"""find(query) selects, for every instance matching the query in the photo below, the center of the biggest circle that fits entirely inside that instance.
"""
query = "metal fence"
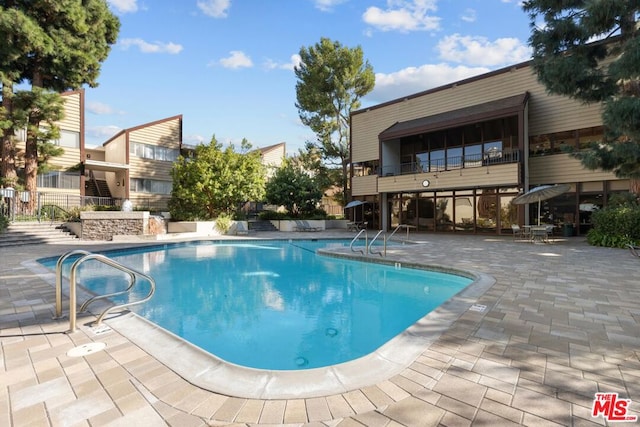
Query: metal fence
(42, 206)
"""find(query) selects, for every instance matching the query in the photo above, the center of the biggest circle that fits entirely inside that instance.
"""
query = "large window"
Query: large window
(473, 145)
(63, 180)
(68, 139)
(142, 185)
(153, 152)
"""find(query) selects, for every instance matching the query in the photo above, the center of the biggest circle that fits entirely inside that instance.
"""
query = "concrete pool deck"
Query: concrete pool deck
(559, 324)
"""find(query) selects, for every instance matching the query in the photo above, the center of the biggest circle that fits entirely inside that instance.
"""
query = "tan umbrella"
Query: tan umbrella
(538, 194)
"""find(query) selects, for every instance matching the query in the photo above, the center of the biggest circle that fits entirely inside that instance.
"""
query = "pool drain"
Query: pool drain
(86, 349)
(331, 332)
(301, 361)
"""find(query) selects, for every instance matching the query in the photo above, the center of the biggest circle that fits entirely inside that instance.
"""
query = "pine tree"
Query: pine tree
(590, 51)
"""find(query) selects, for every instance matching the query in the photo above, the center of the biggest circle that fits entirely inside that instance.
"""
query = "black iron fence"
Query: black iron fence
(44, 206)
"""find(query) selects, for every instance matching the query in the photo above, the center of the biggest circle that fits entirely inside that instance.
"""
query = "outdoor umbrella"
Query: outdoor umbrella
(354, 203)
(538, 194)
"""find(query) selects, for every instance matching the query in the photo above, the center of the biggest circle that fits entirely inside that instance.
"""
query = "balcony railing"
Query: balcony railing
(453, 163)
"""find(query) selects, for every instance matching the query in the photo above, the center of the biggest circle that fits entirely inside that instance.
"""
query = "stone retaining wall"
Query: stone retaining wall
(105, 225)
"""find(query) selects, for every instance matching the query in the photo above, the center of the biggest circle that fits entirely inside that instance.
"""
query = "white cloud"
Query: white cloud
(481, 51)
(417, 79)
(293, 62)
(146, 47)
(124, 6)
(403, 16)
(236, 59)
(193, 139)
(214, 8)
(327, 5)
(99, 108)
(469, 15)
(97, 135)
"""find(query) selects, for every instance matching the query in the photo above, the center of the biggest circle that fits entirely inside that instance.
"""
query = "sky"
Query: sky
(227, 65)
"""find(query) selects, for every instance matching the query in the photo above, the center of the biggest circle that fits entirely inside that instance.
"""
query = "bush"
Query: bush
(223, 223)
(615, 226)
(4, 222)
(315, 214)
(272, 215)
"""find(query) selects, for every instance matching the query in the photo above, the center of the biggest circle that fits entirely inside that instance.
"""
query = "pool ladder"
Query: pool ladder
(86, 256)
(369, 245)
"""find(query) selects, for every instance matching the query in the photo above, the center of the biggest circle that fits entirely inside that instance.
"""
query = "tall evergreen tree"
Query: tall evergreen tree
(589, 50)
(331, 81)
(55, 45)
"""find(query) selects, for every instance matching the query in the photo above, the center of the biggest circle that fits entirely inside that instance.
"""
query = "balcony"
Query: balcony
(491, 157)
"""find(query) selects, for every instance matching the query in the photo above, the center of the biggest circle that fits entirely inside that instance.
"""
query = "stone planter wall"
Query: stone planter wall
(105, 225)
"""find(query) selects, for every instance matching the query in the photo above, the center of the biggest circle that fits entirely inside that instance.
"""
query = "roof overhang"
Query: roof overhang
(489, 110)
(96, 165)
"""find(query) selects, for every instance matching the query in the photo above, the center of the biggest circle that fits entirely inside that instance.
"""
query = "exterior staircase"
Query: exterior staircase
(34, 233)
(260, 225)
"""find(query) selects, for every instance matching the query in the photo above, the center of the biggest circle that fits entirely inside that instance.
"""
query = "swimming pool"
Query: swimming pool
(276, 305)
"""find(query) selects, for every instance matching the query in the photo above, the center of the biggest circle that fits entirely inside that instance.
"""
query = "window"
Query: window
(63, 180)
(68, 139)
(141, 185)
(153, 152)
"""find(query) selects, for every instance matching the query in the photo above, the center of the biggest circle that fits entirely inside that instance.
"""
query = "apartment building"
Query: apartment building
(451, 159)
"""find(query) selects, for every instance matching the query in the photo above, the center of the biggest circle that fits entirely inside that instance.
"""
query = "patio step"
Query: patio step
(33, 233)
(260, 225)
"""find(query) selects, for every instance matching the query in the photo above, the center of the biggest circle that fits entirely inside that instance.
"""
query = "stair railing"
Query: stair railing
(86, 256)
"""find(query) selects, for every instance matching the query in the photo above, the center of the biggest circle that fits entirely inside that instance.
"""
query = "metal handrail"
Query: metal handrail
(62, 259)
(73, 284)
(369, 248)
(364, 230)
(395, 230)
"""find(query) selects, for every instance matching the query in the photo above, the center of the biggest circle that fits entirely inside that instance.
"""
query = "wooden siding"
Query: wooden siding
(274, 156)
(70, 157)
(546, 113)
(164, 134)
(364, 185)
(115, 151)
(72, 120)
(562, 168)
(497, 175)
(152, 169)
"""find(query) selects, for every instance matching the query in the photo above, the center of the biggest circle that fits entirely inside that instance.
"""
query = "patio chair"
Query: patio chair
(518, 233)
(635, 250)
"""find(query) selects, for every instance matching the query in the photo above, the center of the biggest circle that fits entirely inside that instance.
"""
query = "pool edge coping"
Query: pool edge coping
(209, 372)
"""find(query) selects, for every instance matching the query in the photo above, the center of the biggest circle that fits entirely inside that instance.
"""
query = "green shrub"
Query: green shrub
(315, 214)
(4, 222)
(615, 226)
(271, 215)
(223, 223)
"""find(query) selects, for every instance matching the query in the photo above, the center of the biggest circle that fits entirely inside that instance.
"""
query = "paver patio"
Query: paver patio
(560, 324)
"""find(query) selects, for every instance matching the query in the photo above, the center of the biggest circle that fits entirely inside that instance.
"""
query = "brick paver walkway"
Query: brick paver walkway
(561, 323)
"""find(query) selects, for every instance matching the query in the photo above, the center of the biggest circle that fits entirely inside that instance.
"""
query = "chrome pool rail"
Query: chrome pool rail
(355, 239)
(86, 256)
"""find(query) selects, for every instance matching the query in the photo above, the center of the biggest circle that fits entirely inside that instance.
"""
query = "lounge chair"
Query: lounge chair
(240, 228)
(305, 226)
(635, 250)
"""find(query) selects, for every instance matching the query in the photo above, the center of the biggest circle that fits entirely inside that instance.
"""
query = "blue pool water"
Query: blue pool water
(274, 304)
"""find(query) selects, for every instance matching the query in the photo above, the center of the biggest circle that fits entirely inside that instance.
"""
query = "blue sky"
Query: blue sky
(227, 65)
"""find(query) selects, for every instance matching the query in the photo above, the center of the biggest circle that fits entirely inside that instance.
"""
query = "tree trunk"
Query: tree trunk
(8, 171)
(634, 186)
